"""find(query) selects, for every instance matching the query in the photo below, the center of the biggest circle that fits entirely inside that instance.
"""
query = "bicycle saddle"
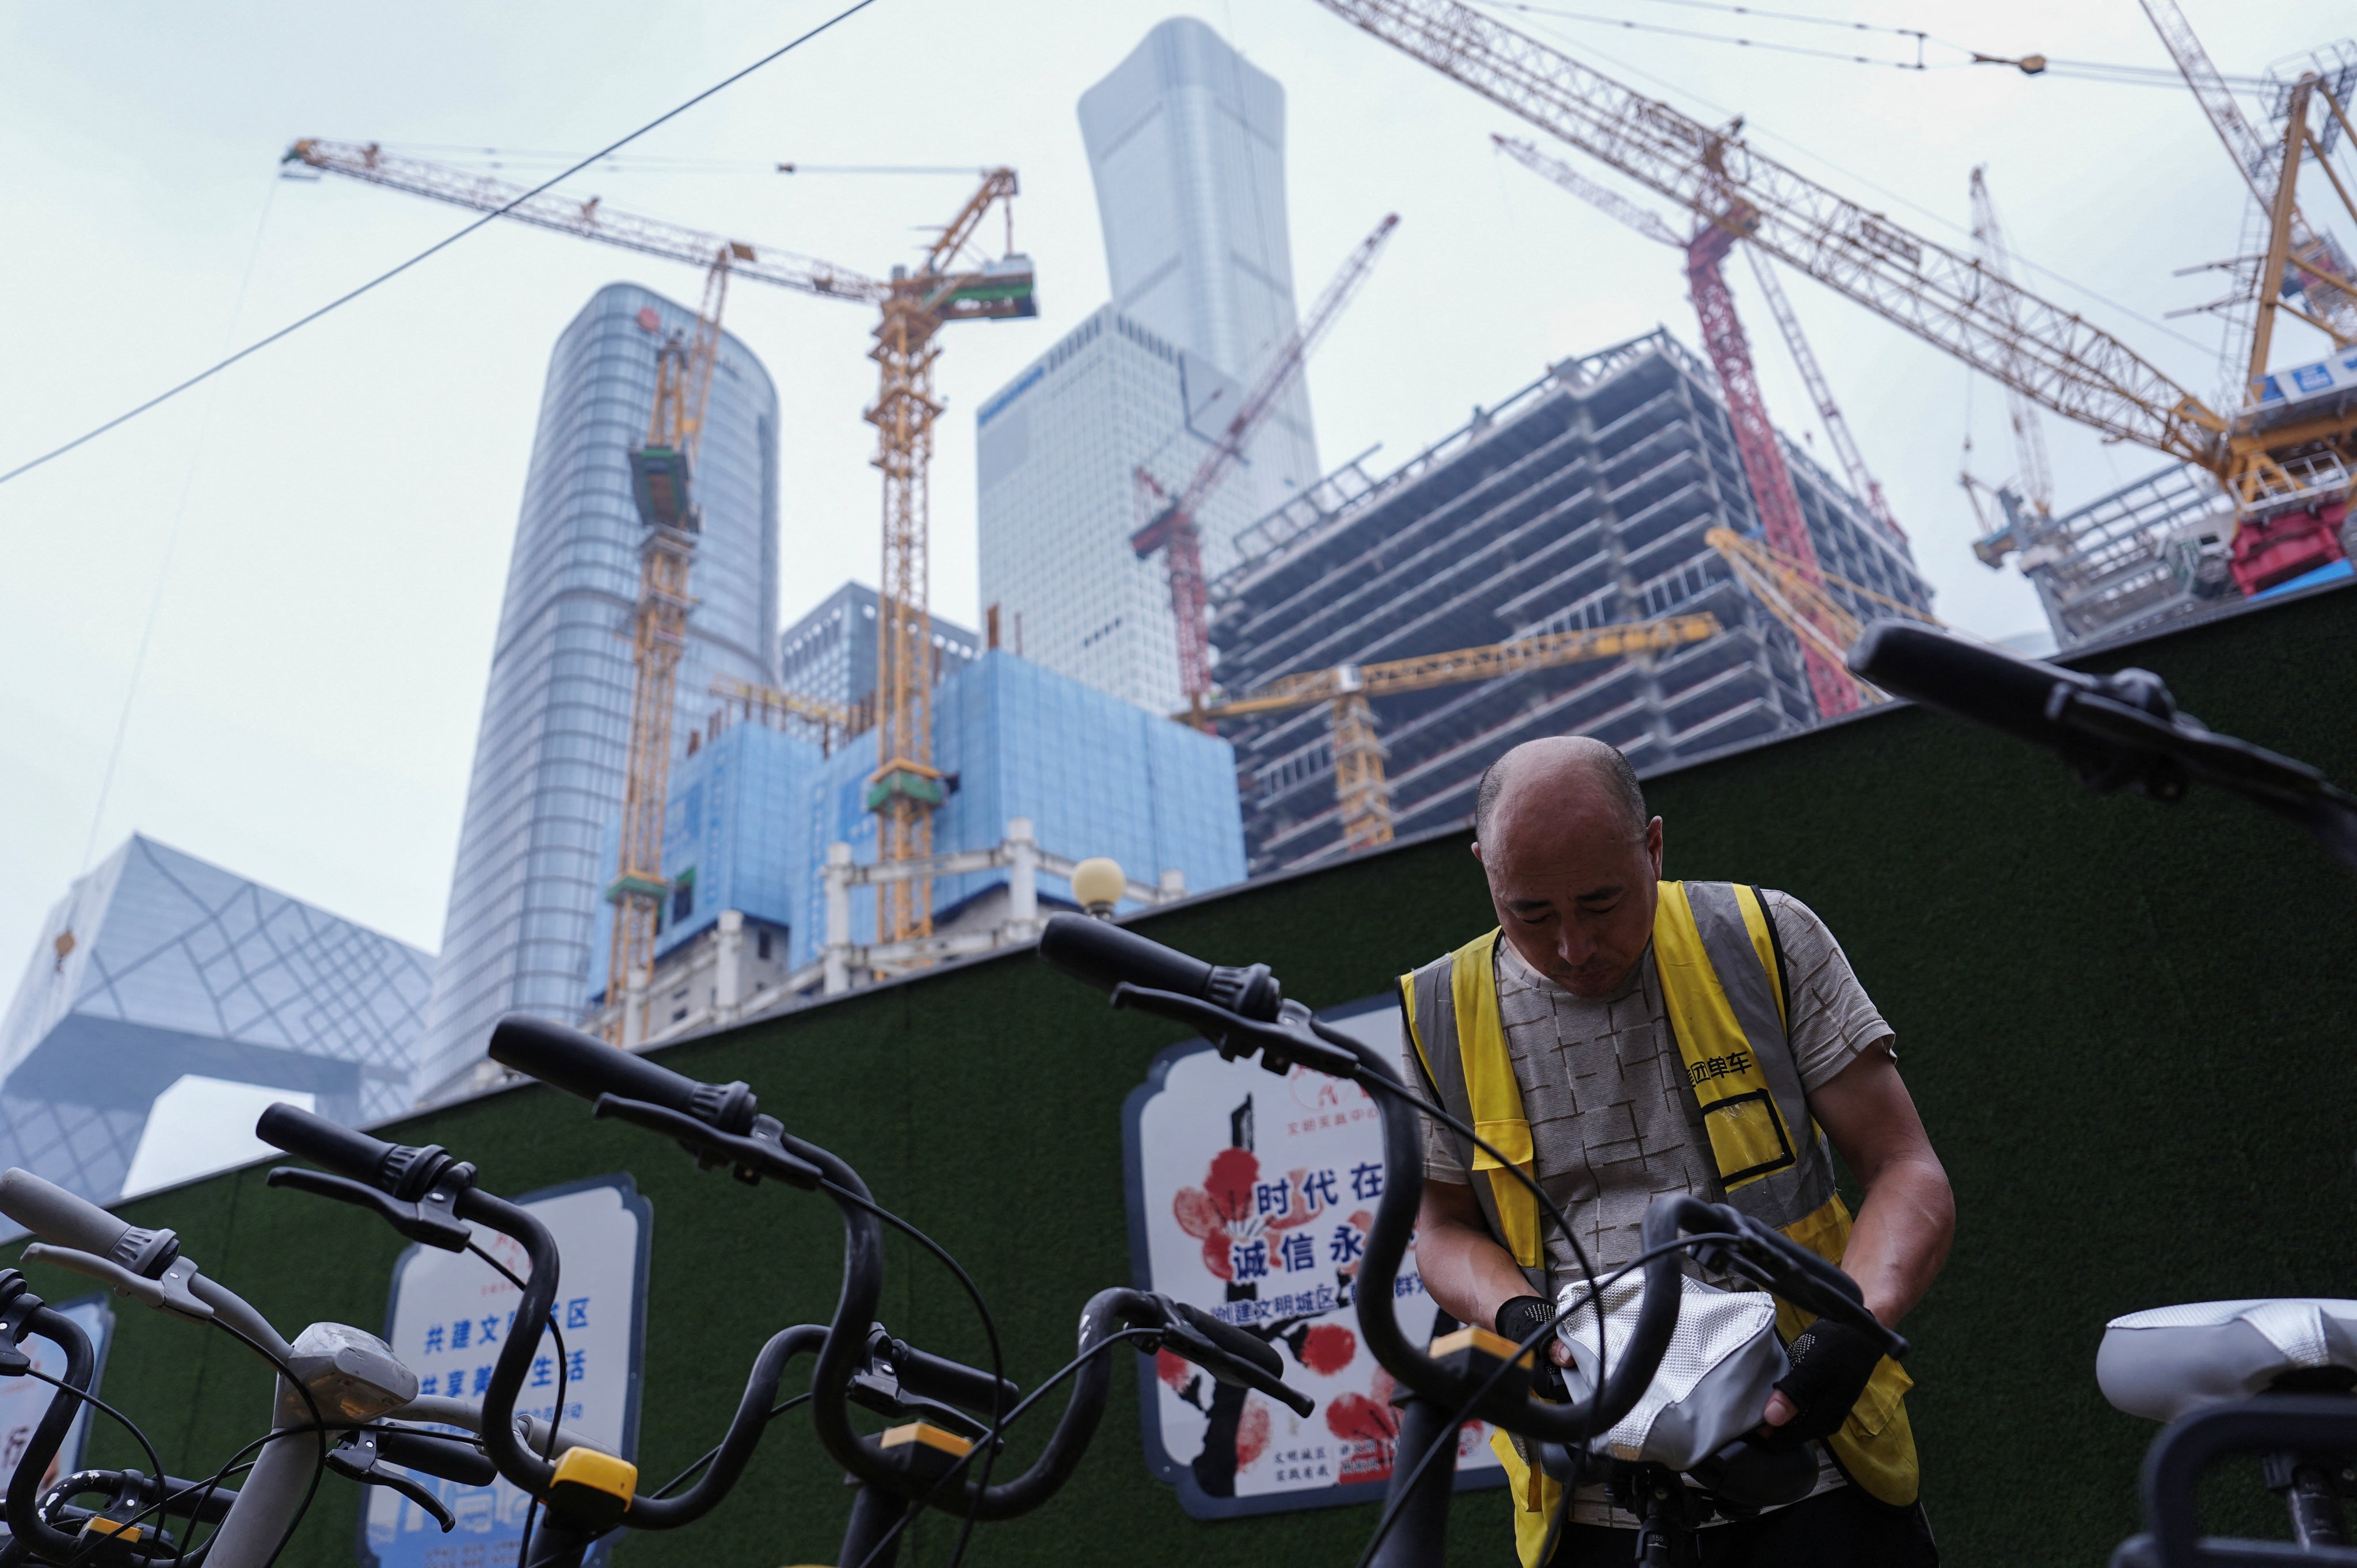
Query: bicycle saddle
(2167, 1360)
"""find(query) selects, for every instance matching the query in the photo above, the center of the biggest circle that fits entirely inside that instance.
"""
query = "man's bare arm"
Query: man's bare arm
(1908, 1216)
(1466, 1273)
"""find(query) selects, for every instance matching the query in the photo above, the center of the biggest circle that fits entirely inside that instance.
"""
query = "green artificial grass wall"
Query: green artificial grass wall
(2128, 1027)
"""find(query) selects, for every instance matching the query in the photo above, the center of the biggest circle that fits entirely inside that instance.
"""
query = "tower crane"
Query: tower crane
(1764, 469)
(1362, 793)
(947, 285)
(1821, 394)
(2283, 456)
(2026, 506)
(1798, 598)
(2037, 476)
(661, 481)
(1172, 529)
(2321, 272)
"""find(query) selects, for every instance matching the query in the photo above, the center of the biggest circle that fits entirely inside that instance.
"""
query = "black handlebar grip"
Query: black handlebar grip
(587, 1065)
(1967, 678)
(324, 1142)
(433, 1455)
(1244, 1346)
(932, 1377)
(1099, 953)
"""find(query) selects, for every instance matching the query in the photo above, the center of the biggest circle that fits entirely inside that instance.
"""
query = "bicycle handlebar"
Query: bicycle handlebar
(1099, 953)
(431, 1453)
(938, 1378)
(24, 1496)
(2115, 730)
(324, 1142)
(65, 1219)
(586, 1065)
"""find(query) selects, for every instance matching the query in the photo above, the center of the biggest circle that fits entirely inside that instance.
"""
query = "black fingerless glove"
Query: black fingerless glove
(1518, 1320)
(1831, 1362)
(1523, 1316)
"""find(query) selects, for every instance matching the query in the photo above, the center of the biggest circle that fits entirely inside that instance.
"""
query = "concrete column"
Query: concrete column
(1022, 880)
(729, 961)
(634, 1009)
(837, 951)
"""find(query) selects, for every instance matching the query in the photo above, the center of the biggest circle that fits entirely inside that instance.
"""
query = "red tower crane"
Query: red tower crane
(1172, 529)
(1773, 494)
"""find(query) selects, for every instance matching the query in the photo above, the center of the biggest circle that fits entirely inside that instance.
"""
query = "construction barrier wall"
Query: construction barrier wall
(2127, 1025)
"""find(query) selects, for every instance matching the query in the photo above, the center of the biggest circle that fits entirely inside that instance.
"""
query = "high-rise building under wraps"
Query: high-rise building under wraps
(548, 769)
(1582, 500)
(1186, 141)
(157, 965)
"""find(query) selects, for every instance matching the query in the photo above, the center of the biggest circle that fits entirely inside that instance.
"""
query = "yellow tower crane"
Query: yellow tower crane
(1362, 793)
(662, 480)
(1794, 592)
(949, 284)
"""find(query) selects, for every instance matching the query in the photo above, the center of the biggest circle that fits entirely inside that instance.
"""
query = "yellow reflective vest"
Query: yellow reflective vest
(1721, 970)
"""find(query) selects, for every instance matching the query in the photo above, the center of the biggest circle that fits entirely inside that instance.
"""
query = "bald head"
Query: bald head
(1572, 860)
(1559, 769)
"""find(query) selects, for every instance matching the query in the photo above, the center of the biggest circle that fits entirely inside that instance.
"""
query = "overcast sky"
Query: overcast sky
(308, 709)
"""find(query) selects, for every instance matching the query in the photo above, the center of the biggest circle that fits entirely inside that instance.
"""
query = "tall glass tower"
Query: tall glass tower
(1186, 141)
(549, 755)
(1187, 144)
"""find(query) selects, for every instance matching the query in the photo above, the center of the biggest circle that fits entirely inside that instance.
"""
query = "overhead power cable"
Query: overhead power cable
(438, 246)
(2027, 64)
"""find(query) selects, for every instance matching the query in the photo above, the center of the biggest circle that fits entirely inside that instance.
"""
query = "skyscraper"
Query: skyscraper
(1585, 499)
(157, 965)
(830, 654)
(1055, 450)
(549, 755)
(1187, 144)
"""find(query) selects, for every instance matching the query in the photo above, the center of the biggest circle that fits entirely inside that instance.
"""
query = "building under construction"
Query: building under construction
(1581, 501)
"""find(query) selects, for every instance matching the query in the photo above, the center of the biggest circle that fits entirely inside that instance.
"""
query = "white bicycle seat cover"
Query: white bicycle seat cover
(2167, 1360)
(1714, 1380)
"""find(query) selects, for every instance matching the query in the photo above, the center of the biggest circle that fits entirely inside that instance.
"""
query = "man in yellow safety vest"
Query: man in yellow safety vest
(1629, 1037)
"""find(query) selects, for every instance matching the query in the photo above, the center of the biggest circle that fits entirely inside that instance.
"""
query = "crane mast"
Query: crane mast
(1172, 530)
(1821, 392)
(2037, 482)
(1652, 225)
(662, 480)
(905, 788)
(2323, 272)
(1765, 472)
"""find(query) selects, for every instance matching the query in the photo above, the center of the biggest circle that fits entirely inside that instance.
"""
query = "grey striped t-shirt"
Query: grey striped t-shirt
(1613, 1121)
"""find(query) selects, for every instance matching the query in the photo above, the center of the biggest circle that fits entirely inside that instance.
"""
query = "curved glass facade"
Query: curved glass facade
(549, 755)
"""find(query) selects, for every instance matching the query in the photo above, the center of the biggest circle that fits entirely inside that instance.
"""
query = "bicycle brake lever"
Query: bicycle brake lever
(355, 1459)
(168, 1294)
(751, 1157)
(1776, 1262)
(1281, 1050)
(434, 1226)
(1192, 1335)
